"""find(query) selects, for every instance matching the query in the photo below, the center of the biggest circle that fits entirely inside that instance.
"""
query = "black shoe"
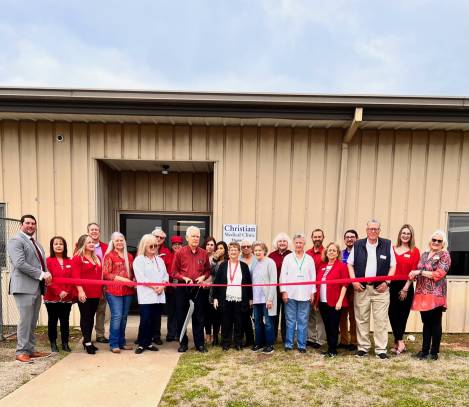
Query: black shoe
(361, 354)
(257, 348)
(170, 339)
(139, 350)
(433, 356)
(102, 339)
(421, 355)
(153, 348)
(94, 347)
(182, 348)
(157, 341)
(287, 349)
(314, 345)
(89, 349)
(65, 347)
(53, 347)
(302, 350)
(352, 347)
(268, 349)
(238, 347)
(225, 348)
(382, 356)
(202, 349)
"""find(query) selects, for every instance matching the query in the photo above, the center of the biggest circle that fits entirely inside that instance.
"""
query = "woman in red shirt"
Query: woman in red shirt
(86, 265)
(59, 297)
(401, 292)
(117, 266)
(331, 297)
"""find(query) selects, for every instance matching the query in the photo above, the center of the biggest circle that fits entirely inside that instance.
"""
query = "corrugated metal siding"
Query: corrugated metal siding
(282, 179)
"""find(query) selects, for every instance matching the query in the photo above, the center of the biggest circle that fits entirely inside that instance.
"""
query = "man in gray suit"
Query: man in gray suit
(27, 285)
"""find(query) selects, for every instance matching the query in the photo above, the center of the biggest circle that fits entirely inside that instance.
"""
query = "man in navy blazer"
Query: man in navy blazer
(27, 285)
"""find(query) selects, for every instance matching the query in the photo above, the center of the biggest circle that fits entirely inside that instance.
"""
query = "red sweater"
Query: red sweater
(53, 290)
(338, 270)
(278, 258)
(114, 266)
(82, 268)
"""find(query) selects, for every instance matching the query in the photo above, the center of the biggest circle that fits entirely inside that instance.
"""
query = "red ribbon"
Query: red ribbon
(79, 281)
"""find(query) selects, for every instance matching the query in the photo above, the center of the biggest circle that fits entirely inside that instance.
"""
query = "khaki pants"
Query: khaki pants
(366, 302)
(100, 318)
(316, 329)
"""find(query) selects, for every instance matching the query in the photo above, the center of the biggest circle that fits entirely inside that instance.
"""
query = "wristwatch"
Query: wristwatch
(388, 283)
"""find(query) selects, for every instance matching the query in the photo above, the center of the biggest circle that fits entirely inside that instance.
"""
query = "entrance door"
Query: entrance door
(134, 226)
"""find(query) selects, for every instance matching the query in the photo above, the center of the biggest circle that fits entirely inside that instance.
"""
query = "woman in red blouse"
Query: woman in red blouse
(430, 293)
(401, 292)
(86, 265)
(117, 266)
(331, 297)
(58, 298)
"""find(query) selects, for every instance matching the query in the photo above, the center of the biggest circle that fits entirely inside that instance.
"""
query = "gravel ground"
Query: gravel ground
(13, 374)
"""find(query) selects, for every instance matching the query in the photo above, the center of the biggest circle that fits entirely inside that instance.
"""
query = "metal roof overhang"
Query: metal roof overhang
(234, 109)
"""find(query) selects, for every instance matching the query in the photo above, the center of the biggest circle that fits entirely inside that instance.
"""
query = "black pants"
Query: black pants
(331, 319)
(280, 317)
(248, 331)
(399, 310)
(87, 313)
(231, 315)
(183, 295)
(149, 314)
(208, 322)
(157, 322)
(171, 323)
(58, 311)
(431, 330)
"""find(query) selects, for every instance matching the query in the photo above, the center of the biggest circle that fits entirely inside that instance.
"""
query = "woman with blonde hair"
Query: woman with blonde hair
(86, 265)
(117, 266)
(430, 293)
(149, 268)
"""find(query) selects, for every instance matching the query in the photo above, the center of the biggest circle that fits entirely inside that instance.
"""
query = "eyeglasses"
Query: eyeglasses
(246, 247)
(350, 237)
(159, 237)
(437, 240)
(152, 246)
(373, 229)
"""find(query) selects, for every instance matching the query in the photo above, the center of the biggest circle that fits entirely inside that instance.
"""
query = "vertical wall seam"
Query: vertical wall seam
(190, 144)
(224, 172)
(358, 169)
(427, 152)
(173, 143)
(258, 148)
(375, 172)
(391, 184)
(240, 166)
(326, 153)
(54, 175)
(458, 176)
(291, 177)
(139, 141)
(156, 137)
(2, 151)
(308, 179)
(122, 136)
(207, 143)
(409, 174)
(442, 173)
(38, 179)
(274, 178)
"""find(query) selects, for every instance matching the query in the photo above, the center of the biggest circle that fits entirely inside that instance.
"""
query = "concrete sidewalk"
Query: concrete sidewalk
(104, 379)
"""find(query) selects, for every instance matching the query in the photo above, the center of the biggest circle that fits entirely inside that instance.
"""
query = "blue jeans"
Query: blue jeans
(264, 325)
(119, 306)
(296, 315)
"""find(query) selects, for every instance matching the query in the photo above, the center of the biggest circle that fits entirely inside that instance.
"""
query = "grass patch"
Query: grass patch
(245, 378)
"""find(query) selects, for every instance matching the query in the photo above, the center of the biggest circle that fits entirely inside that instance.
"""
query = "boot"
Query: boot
(65, 347)
(53, 347)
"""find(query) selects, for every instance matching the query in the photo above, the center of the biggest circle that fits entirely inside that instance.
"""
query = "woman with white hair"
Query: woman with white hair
(281, 245)
(117, 266)
(430, 293)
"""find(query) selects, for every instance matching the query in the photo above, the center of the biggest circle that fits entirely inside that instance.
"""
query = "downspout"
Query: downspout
(348, 137)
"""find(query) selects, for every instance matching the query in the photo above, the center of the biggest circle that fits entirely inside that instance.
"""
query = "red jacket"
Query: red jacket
(53, 290)
(339, 270)
(82, 268)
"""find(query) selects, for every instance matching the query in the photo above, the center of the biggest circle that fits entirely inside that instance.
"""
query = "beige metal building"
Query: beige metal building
(282, 162)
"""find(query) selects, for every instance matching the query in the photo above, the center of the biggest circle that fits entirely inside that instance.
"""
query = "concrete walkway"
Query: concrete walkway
(104, 379)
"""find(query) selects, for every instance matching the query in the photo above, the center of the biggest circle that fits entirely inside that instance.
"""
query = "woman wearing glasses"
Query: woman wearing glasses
(149, 268)
(430, 293)
(401, 292)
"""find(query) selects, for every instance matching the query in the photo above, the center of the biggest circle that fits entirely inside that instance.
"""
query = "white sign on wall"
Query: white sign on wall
(239, 232)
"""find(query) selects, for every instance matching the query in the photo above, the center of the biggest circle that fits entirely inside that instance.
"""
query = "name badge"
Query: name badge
(300, 276)
(68, 266)
(407, 255)
(86, 262)
(383, 257)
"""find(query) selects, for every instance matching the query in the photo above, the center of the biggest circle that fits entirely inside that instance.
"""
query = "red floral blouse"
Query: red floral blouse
(430, 293)
(113, 266)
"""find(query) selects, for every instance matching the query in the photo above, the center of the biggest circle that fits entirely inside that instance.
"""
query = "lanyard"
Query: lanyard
(232, 275)
(299, 265)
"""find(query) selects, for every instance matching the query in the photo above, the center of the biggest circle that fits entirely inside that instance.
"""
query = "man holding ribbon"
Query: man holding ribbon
(27, 282)
(191, 265)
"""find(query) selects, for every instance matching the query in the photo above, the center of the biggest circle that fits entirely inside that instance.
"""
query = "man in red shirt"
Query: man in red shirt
(191, 265)
(316, 329)
(94, 231)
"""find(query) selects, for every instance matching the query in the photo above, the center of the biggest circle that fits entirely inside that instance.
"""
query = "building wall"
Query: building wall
(282, 179)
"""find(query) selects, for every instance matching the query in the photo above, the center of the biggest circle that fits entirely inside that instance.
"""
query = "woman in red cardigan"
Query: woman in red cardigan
(331, 297)
(117, 266)
(59, 297)
(86, 265)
